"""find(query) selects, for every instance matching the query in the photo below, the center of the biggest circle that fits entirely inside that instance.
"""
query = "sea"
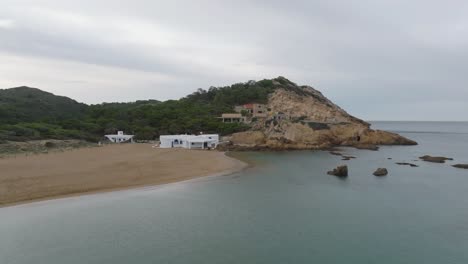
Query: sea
(284, 209)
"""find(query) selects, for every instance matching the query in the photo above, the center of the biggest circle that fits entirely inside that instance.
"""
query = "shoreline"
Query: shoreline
(226, 164)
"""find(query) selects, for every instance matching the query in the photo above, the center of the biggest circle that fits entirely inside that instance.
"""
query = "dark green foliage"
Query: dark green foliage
(35, 131)
(24, 104)
(28, 113)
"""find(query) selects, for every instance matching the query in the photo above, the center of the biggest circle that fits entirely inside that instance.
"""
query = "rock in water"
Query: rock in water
(381, 172)
(367, 146)
(406, 163)
(461, 166)
(340, 171)
(434, 159)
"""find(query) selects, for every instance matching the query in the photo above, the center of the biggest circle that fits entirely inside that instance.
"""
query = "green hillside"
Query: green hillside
(25, 104)
(29, 113)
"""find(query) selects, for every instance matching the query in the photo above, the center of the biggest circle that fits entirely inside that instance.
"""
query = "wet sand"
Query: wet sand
(108, 168)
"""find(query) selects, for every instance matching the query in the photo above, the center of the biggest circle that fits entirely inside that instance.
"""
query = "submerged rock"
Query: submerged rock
(461, 166)
(340, 171)
(367, 146)
(434, 159)
(406, 163)
(336, 153)
(381, 172)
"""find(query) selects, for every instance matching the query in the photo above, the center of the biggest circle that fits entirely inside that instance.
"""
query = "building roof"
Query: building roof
(119, 136)
(231, 116)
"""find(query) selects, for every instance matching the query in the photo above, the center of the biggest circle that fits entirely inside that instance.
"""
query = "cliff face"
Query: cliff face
(300, 117)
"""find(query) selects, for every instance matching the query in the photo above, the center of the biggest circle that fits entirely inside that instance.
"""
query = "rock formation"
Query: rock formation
(300, 117)
(406, 163)
(434, 159)
(381, 172)
(340, 171)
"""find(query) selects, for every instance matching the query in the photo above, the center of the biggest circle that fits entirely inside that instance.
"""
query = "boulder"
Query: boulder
(340, 171)
(434, 159)
(461, 166)
(381, 172)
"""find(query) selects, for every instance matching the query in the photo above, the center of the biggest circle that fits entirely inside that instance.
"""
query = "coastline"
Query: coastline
(29, 179)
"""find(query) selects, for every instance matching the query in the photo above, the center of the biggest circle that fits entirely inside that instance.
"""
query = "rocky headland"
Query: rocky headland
(300, 117)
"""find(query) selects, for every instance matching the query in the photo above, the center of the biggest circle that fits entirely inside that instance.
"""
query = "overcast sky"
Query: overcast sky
(379, 60)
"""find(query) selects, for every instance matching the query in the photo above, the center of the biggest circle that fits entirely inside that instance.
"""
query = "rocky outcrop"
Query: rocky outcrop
(249, 138)
(408, 164)
(340, 171)
(344, 157)
(381, 172)
(300, 117)
(461, 166)
(434, 159)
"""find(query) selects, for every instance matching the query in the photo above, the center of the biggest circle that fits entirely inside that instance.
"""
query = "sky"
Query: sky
(377, 59)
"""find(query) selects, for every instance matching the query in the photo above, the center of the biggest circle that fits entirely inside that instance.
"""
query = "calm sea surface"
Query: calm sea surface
(285, 210)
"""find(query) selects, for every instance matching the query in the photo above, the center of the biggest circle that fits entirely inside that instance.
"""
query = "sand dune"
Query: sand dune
(106, 168)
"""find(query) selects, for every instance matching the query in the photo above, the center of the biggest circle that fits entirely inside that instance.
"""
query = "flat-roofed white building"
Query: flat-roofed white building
(189, 141)
(120, 137)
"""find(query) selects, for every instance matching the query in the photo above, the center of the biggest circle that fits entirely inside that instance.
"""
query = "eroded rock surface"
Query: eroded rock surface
(300, 117)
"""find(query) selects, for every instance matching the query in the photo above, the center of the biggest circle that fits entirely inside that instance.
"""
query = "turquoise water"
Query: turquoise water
(285, 210)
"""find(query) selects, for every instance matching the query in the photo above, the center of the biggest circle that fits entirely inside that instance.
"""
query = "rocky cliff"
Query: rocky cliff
(300, 117)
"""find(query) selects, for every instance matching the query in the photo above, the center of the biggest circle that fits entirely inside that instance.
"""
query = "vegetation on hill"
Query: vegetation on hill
(30, 114)
(24, 104)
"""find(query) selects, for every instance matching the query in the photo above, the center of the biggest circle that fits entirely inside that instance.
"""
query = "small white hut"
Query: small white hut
(189, 141)
(120, 137)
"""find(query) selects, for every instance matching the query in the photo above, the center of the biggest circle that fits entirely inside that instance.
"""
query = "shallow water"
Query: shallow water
(284, 210)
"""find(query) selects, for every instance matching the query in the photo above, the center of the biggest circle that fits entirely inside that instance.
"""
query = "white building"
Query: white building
(120, 137)
(189, 141)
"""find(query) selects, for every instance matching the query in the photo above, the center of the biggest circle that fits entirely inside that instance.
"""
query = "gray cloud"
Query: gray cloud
(397, 60)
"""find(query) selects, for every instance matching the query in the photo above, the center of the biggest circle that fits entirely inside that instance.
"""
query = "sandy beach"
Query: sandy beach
(113, 167)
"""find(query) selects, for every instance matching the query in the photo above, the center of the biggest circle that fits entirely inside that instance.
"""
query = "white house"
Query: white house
(120, 137)
(189, 141)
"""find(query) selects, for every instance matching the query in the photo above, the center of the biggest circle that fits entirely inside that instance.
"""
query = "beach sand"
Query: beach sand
(107, 168)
